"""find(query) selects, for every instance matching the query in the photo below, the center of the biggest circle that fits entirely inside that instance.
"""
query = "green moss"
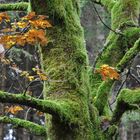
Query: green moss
(129, 55)
(102, 95)
(130, 96)
(65, 61)
(123, 14)
(32, 127)
(13, 7)
(125, 11)
(127, 100)
(112, 130)
(108, 4)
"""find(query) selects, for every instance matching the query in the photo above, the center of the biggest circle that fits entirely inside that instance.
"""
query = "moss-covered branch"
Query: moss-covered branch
(129, 55)
(20, 6)
(60, 109)
(127, 100)
(102, 95)
(104, 88)
(30, 126)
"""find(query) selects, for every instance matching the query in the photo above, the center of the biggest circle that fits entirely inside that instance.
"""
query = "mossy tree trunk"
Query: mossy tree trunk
(65, 61)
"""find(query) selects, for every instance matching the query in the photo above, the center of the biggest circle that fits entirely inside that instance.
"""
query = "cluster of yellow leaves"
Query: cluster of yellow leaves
(5, 61)
(13, 109)
(36, 21)
(40, 24)
(39, 113)
(27, 75)
(30, 16)
(4, 16)
(39, 73)
(32, 37)
(35, 24)
(108, 72)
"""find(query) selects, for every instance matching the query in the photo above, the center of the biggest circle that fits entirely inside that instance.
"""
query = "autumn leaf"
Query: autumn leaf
(22, 24)
(24, 73)
(30, 16)
(13, 109)
(40, 73)
(108, 72)
(4, 16)
(39, 113)
(30, 78)
(5, 61)
(40, 24)
(43, 76)
(34, 36)
(8, 41)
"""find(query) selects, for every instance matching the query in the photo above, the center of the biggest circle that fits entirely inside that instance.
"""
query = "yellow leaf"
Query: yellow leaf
(31, 78)
(108, 72)
(24, 73)
(13, 109)
(39, 113)
(30, 16)
(43, 76)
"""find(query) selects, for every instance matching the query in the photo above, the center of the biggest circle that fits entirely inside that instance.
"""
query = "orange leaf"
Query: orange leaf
(30, 16)
(108, 72)
(13, 109)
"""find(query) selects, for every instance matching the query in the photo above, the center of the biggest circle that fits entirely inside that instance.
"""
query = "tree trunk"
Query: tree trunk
(65, 61)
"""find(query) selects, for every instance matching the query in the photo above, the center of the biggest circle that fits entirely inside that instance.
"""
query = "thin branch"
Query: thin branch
(58, 108)
(130, 54)
(96, 11)
(30, 84)
(27, 112)
(134, 77)
(30, 126)
(120, 88)
(19, 6)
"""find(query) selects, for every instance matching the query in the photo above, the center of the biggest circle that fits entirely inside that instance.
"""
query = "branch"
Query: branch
(19, 6)
(30, 126)
(130, 54)
(102, 95)
(127, 100)
(62, 110)
(96, 11)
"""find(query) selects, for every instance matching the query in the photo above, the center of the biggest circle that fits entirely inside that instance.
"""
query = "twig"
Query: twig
(134, 77)
(96, 11)
(26, 115)
(127, 73)
(32, 82)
